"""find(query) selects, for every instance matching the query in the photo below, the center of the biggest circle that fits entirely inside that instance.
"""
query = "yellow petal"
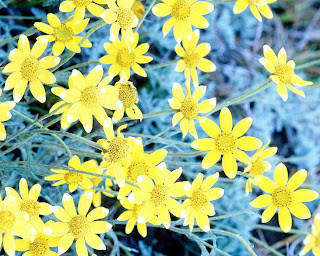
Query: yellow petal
(225, 120)
(65, 243)
(211, 159)
(161, 10)
(248, 143)
(209, 127)
(242, 127)
(240, 6)
(204, 144)
(305, 195)
(85, 202)
(285, 220)
(229, 165)
(297, 179)
(281, 175)
(261, 201)
(300, 210)
(203, 220)
(268, 213)
(265, 183)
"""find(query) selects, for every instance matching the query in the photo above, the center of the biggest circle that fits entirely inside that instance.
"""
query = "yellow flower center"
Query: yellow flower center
(82, 2)
(136, 169)
(257, 167)
(226, 142)
(73, 177)
(63, 34)
(89, 97)
(125, 58)
(199, 199)
(39, 247)
(189, 108)
(118, 150)
(159, 195)
(135, 210)
(191, 58)
(125, 17)
(181, 10)
(128, 95)
(284, 73)
(31, 207)
(138, 9)
(79, 226)
(282, 197)
(30, 68)
(7, 220)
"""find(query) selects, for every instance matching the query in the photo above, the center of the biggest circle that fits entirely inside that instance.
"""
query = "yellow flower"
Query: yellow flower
(285, 196)
(82, 226)
(184, 15)
(87, 96)
(131, 215)
(256, 7)
(63, 34)
(28, 202)
(158, 196)
(192, 57)
(226, 142)
(121, 16)
(5, 115)
(126, 96)
(188, 107)
(122, 58)
(80, 7)
(312, 241)
(257, 166)
(283, 72)
(27, 69)
(197, 205)
(138, 8)
(75, 179)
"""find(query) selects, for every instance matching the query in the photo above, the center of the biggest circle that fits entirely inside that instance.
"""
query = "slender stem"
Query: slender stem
(28, 32)
(161, 65)
(156, 138)
(229, 215)
(78, 66)
(308, 64)
(115, 193)
(13, 17)
(145, 15)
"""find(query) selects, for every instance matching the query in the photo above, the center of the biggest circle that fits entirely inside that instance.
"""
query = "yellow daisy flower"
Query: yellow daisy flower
(80, 7)
(121, 16)
(192, 57)
(5, 115)
(226, 142)
(158, 196)
(75, 179)
(283, 72)
(197, 205)
(188, 107)
(184, 15)
(27, 69)
(138, 8)
(28, 202)
(284, 196)
(257, 165)
(122, 58)
(63, 34)
(87, 96)
(131, 216)
(256, 7)
(312, 241)
(82, 226)
(127, 98)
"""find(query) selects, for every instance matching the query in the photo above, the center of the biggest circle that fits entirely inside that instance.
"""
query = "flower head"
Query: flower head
(27, 69)
(256, 7)
(188, 107)
(63, 34)
(226, 142)
(283, 195)
(123, 57)
(79, 225)
(312, 241)
(197, 205)
(282, 72)
(257, 165)
(192, 57)
(87, 98)
(5, 115)
(184, 15)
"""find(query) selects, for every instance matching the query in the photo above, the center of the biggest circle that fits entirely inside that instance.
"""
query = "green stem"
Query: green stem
(145, 15)
(308, 64)
(28, 32)
(156, 138)
(13, 17)
(78, 66)
(229, 215)
(161, 65)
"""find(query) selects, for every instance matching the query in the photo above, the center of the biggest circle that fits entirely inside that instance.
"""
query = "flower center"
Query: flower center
(7, 220)
(30, 68)
(181, 10)
(136, 169)
(189, 108)
(118, 150)
(199, 199)
(63, 34)
(257, 167)
(191, 58)
(226, 142)
(159, 195)
(31, 207)
(125, 17)
(128, 95)
(282, 197)
(79, 226)
(81, 2)
(39, 247)
(73, 177)
(89, 97)
(135, 210)
(284, 72)
(125, 58)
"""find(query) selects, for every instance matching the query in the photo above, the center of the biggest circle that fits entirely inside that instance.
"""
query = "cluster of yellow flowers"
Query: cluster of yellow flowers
(148, 191)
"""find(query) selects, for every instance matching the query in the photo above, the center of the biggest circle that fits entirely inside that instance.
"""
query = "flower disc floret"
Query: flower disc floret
(39, 247)
(181, 10)
(282, 197)
(31, 207)
(125, 17)
(128, 95)
(189, 108)
(226, 142)
(90, 97)
(159, 195)
(7, 220)
(136, 169)
(284, 73)
(73, 177)
(79, 226)
(199, 199)
(30, 68)
(63, 34)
